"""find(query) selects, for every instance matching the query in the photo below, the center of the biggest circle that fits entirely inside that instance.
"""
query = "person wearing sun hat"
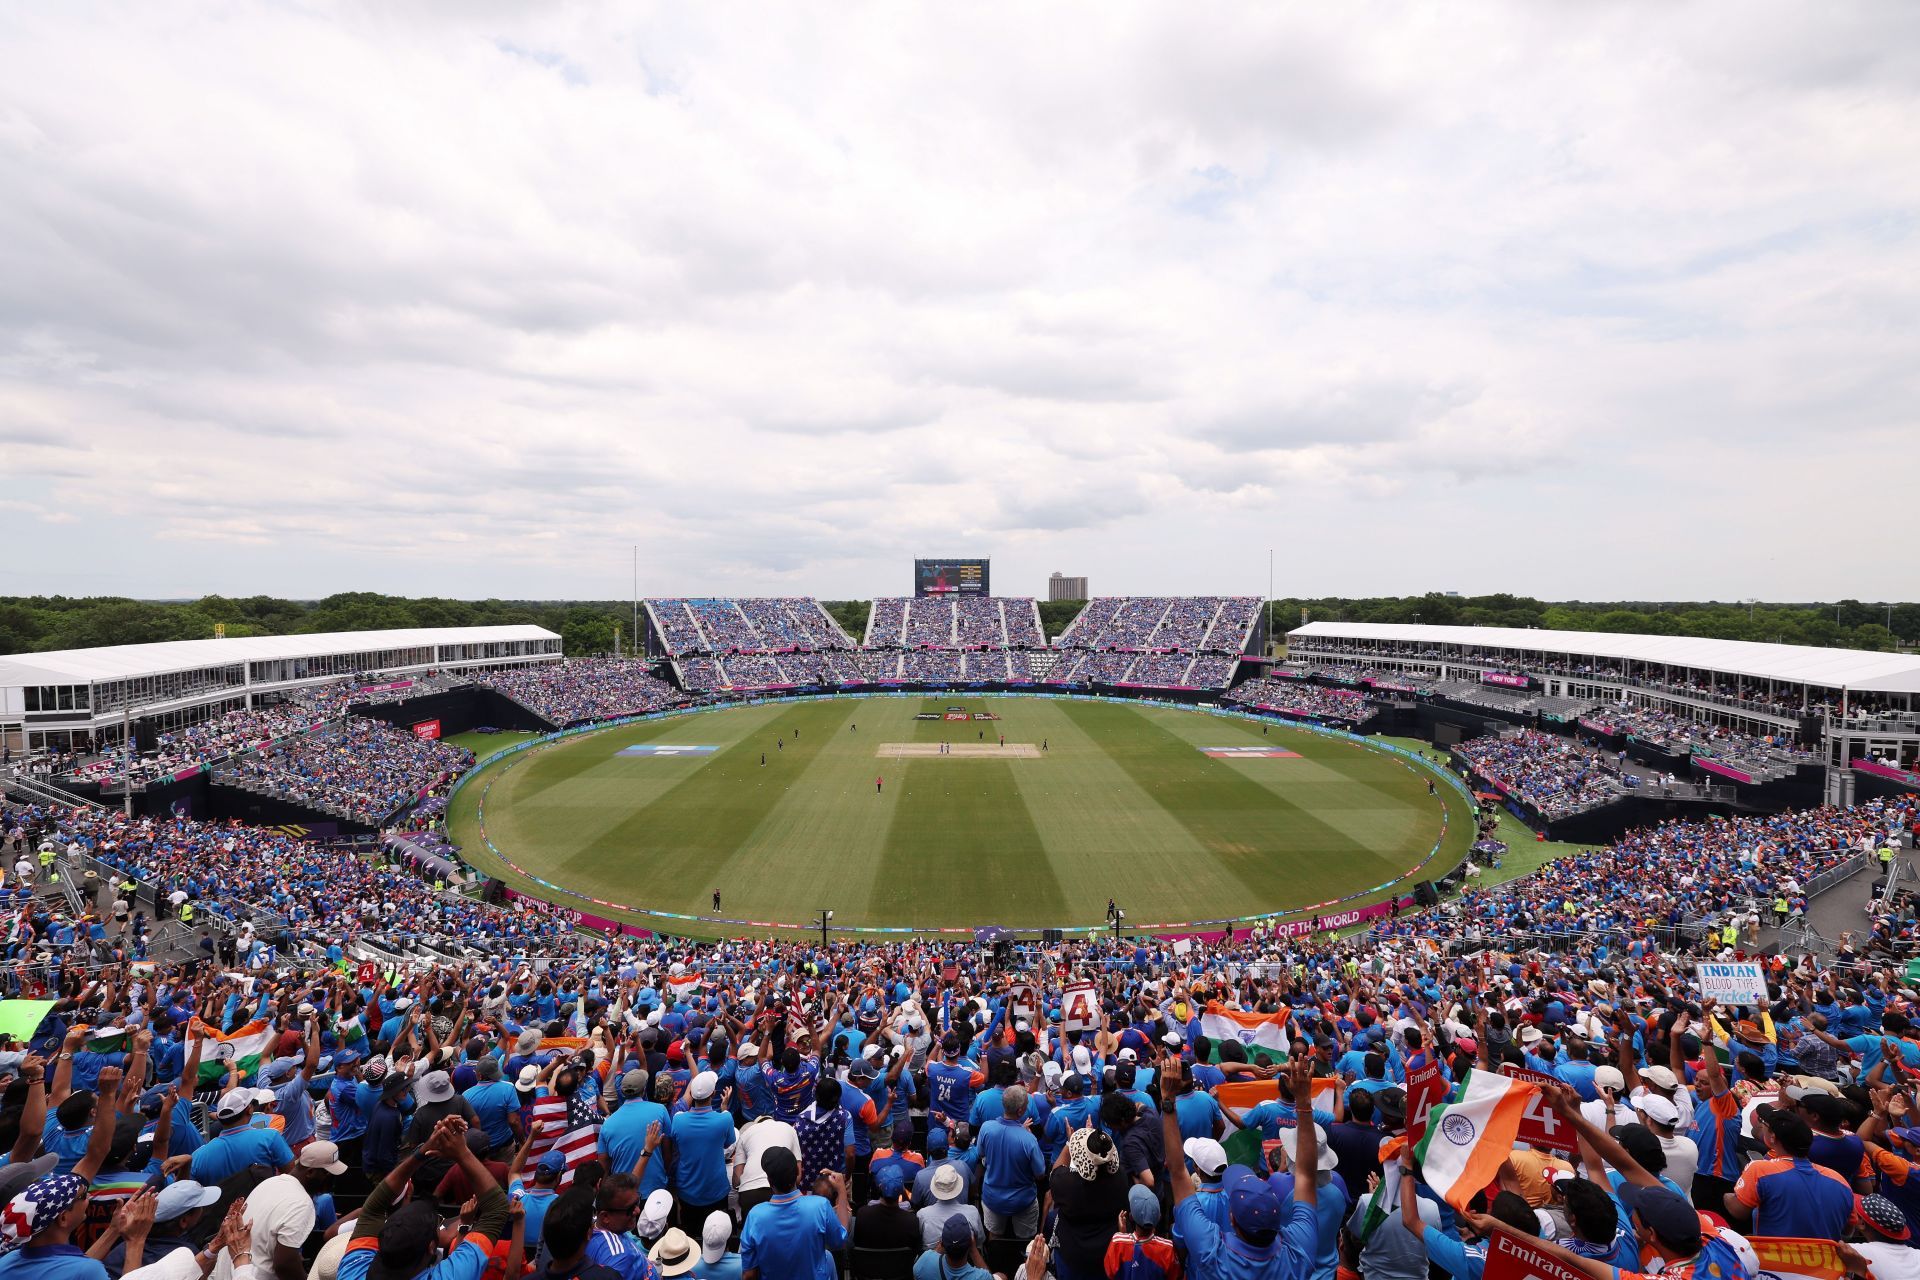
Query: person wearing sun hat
(674, 1254)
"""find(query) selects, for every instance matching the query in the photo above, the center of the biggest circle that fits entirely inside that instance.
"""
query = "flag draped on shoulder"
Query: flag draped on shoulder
(1471, 1134)
(578, 1145)
(1254, 1030)
(245, 1047)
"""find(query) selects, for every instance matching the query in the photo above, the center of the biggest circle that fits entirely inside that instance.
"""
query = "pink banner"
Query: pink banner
(1298, 928)
(1724, 770)
(1887, 771)
(1503, 679)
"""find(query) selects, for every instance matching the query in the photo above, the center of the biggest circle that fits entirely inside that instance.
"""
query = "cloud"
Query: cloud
(477, 297)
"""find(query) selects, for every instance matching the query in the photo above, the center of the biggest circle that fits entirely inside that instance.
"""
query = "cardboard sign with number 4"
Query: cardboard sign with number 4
(1539, 1127)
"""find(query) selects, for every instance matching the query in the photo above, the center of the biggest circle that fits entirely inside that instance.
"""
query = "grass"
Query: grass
(1122, 804)
(485, 744)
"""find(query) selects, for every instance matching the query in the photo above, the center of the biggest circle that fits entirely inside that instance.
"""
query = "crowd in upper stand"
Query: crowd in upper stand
(727, 625)
(214, 740)
(584, 689)
(1189, 623)
(1677, 732)
(359, 769)
(1297, 698)
(1556, 775)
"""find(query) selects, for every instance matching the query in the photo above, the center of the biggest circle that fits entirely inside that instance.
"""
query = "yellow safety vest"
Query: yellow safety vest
(186, 913)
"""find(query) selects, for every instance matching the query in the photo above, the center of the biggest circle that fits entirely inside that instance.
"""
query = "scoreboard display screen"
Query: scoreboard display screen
(950, 578)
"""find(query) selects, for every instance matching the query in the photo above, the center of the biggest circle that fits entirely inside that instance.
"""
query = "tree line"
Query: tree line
(31, 624)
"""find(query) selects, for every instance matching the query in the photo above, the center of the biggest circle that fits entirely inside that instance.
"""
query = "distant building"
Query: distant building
(1061, 587)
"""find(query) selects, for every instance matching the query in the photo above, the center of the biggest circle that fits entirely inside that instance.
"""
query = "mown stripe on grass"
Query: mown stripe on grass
(676, 848)
(937, 858)
(1281, 853)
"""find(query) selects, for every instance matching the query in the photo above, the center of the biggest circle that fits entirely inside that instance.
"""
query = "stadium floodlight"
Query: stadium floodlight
(825, 917)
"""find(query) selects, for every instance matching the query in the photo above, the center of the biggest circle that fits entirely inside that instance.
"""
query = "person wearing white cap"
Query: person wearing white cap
(716, 1262)
(1683, 1153)
(238, 1143)
(1609, 1108)
(1331, 1205)
(280, 1210)
(701, 1137)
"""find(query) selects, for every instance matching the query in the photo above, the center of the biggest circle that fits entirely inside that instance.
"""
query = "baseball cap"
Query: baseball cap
(234, 1102)
(1208, 1156)
(1254, 1210)
(702, 1086)
(634, 1084)
(1609, 1078)
(1142, 1207)
(182, 1197)
(1660, 1077)
(1665, 1213)
(890, 1181)
(936, 1142)
(956, 1234)
(1659, 1110)
(322, 1155)
(947, 1184)
(714, 1236)
(553, 1161)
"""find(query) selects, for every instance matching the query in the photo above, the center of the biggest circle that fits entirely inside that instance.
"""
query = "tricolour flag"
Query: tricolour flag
(578, 1146)
(107, 1040)
(1244, 1095)
(1254, 1030)
(245, 1046)
(1472, 1133)
(685, 984)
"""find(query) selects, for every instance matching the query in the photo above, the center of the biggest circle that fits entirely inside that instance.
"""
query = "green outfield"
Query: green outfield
(1087, 800)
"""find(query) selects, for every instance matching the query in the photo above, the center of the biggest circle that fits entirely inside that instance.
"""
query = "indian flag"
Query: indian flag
(245, 1047)
(1244, 1095)
(1254, 1030)
(684, 984)
(1471, 1133)
(107, 1040)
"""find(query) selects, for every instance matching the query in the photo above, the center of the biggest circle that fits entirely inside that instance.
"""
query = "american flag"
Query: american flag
(578, 1146)
(549, 1109)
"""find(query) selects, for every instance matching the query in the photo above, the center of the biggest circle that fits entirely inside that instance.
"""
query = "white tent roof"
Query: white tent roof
(1793, 663)
(114, 662)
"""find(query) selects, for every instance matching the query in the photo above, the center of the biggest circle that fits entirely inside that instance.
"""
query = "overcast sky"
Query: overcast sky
(1578, 300)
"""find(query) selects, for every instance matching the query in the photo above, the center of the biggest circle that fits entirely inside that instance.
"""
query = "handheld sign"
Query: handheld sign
(1511, 1258)
(1539, 1127)
(1080, 1008)
(1426, 1089)
(368, 971)
(1024, 999)
(1732, 982)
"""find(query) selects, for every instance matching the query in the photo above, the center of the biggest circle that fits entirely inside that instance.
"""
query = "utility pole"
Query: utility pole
(825, 916)
(126, 759)
(636, 600)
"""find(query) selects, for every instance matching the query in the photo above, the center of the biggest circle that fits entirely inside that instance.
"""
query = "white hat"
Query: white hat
(714, 1236)
(1658, 1109)
(1128, 1055)
(1208, 1156)
(749, 1050)
(1082, 1060)
(265, 1097)
(234, 1102)
(1325, 1156)
(529, 1076)
(1661, 1077)
(322, 1155)
(1530, 1035)
(653, 1215)
(1609, 1078)
(1051, 1070)
(947, 1183)
(702, 1086)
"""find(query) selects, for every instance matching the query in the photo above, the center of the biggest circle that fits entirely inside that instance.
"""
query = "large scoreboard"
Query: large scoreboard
(950, 578)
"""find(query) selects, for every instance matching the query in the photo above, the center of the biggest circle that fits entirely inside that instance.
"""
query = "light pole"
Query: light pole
(825, 916)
